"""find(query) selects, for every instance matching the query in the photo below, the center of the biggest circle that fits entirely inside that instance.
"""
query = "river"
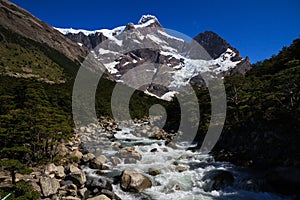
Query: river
(183, 174)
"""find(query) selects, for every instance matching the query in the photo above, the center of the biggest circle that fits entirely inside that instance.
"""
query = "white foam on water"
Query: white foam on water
(171, 184)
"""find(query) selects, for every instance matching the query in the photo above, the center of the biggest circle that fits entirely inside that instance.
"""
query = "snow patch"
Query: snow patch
(146, 18)
(156, 39)
(111, 67)
(169, 36)
(105, 51)
(169, 48)
(169, 96)
(126, 63)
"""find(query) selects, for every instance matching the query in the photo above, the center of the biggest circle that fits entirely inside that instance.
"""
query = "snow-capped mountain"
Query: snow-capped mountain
(168, 62)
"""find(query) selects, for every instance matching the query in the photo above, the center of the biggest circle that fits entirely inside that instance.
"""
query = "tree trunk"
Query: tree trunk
(13, 176)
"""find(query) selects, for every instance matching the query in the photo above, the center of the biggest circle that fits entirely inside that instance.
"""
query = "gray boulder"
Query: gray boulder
(133, 181)
(76, 175)
(49, 186)
(98, 162)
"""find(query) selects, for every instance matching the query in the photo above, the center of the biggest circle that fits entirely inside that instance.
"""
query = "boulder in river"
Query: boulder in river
(218, 179)
(97, 162)
(115, 160)
(95, 185)
(129, 152)
(154, 172)
(133, 181)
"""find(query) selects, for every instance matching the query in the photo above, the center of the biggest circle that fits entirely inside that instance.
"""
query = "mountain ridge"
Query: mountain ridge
(181, 61)
(18, 20)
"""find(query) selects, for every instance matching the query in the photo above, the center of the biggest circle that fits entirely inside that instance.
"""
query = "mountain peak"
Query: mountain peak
(145, 18)
(214, 44)
(148, 21)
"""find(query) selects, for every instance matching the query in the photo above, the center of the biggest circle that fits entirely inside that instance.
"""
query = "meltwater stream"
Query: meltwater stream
(190, 182)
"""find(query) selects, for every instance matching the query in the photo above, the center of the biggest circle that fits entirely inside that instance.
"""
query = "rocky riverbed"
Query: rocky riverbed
(137, 160)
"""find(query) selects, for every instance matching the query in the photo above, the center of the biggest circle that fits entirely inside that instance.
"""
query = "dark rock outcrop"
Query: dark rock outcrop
(89, 41)
(215, 45)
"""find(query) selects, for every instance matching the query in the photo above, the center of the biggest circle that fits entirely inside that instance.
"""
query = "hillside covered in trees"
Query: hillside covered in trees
(263, 116)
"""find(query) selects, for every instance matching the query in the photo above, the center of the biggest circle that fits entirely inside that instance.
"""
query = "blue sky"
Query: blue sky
(258, 28)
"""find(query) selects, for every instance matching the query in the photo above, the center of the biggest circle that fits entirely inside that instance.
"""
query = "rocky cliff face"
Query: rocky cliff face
(89, 41)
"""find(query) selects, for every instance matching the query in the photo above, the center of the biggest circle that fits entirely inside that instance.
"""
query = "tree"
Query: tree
(14, 166)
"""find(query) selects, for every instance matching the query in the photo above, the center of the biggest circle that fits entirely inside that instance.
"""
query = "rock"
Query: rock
(36, 187)
(115, 160)
(76, 153)
(49, 186)
(88, 130)
(62, 150)
(150, 134)
(218, 179)
(96, 185)
(70, 198)
(116, 144)
(100, 197)
(82, 129)
(34, 174)
(130, 161)
(177, 187)
(55, 197)
(161, 135)
(60, 172)
(73, 168)
(76, 175)
(110, 194)
(154, 172)
(68, 190)
(50, 169)
(88, 157)
(153, 150)
(102, 159)
(97, 163)
(105, 167)
(133, 181)
(181, 168)
(129, 152)
(83, 193)
(155, 129)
